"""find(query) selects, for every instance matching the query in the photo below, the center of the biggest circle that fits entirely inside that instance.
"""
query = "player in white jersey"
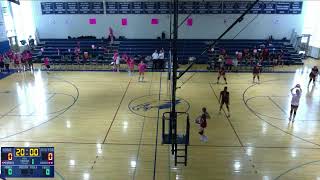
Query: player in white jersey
(295, 101)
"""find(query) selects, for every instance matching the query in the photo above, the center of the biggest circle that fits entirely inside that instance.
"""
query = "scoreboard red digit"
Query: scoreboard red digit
(27, 162)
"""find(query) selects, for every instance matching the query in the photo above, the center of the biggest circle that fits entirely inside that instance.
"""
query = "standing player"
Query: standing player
(131, 66)
(7, 63)
(142, 67)
(224, 99)
(256, 73)
(313, 74)
(116, 61)
(202, 121)
(295, 101)
(16, 60)
(222, 73)
(1, 63)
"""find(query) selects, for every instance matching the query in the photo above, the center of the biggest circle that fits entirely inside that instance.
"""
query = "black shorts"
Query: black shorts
(48, 66)
(312, 76)
(225, 102)
(1, 64)
(294, 106)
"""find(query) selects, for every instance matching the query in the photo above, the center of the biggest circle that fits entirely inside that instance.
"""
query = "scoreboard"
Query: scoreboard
(27, 162)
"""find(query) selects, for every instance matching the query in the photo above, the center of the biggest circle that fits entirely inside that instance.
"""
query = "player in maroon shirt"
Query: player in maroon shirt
(313, 74)
(256, 73)
(225, 99)
(222, 73)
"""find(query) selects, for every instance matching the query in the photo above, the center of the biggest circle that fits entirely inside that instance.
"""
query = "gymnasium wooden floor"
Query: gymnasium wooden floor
(100, 130)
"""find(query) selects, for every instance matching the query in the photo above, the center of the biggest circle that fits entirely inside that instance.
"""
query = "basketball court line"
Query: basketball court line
(50, 119)
(277, 105)
(268, 116)
(113, 119)
(49, 113)
(3, 76)
(17, 105)
(141, 135)
(294, 168)
(148, 144)
(286, 132)
(115, 115)
(238, 137)
(138, 151)
(230, 123)
(59, 175)
(157, 132)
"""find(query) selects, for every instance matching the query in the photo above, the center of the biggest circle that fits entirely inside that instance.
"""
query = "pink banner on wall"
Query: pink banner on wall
(124, 21)
(154, 21)
(189, 22)
(93, 21)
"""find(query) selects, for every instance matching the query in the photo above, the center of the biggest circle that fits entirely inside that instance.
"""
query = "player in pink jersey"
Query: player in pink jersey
(16, 59)
(46, 63)
(126, 59)
(141, 67)
(131, 66)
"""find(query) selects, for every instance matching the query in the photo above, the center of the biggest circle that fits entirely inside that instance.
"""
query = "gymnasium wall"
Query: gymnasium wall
(4, 43)
(139, 26)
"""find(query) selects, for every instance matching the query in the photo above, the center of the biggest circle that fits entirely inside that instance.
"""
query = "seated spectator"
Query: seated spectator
(255, 53)
(239, 56)
(85, 56)
(280, 60)
(223, 52)
(265, 54)
(77, 54)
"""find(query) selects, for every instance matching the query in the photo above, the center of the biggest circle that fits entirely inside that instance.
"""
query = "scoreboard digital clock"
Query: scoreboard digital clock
(27, 162)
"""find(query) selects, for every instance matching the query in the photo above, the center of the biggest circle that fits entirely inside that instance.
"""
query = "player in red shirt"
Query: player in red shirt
(224, 99)
(256, 73)
(313, 74)
(202, 121)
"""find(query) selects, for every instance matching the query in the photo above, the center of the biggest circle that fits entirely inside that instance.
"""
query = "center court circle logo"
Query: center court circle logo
(148, 106)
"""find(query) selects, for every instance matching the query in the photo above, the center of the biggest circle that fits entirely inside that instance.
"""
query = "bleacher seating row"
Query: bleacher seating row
(143, 47)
